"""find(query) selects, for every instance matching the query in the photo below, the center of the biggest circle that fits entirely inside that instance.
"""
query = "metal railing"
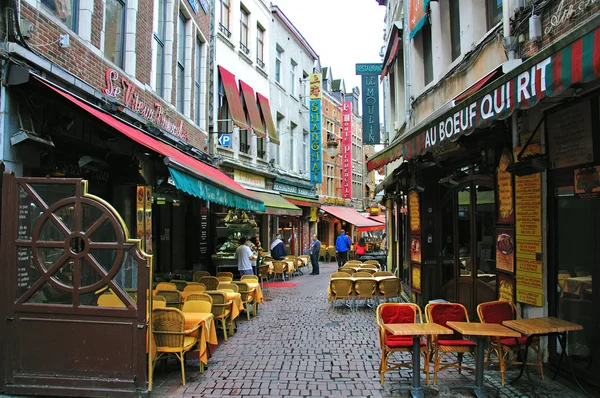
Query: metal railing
(245, 148)
(261, 153)
(260, 62)
(244, 48)
(224, 30)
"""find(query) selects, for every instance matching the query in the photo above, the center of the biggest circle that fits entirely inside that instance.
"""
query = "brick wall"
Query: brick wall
(87, 65)
(558, 19)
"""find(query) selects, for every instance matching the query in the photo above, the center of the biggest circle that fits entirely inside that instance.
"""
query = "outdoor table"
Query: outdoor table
(575, 285)
(256, 291)
(542, 327)
(481, 331)
(207, 333)
(416, 330)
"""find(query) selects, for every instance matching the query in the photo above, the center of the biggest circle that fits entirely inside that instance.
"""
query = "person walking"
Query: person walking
(244, 257)
(315, 248)
(342, 245)
(278, 251)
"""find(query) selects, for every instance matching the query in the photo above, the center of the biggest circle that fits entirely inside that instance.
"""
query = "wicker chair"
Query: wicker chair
(199, 274)
(196, 287)
(221, 309)
(339, 274)
(390, 288)
(224, 278)
(305, 258)
(279, 269)
(365, 289)
(229, 274)
(353, 263)
(172, 297)
(331, 253)
(249, 278)
(383, 273)
(180, 284)
(198, 297)
(166, 286)
(506, 349)
(247, 297)
(390, 344)
(211, 282)
(171, 337)
(341, 289)
(370, 271)
(441, 313)
(197, 306)
(348, 271)
(323, 254)
(110, 300)
(371, 262)
(228, 286)
(263, 273)
(362, 274)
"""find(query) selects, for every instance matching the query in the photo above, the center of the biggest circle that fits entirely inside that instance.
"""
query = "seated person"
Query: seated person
(278, 250)
(360, 247)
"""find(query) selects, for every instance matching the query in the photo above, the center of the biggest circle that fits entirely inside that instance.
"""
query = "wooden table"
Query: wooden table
(542, 327)
(481, 331)
(416, 330)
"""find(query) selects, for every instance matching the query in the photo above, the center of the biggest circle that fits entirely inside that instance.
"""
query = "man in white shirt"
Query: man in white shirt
(244, 257)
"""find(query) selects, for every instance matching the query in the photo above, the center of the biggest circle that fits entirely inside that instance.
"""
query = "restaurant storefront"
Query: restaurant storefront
(513, 216)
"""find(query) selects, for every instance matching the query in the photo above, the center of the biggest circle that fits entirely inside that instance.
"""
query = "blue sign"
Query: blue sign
(368, 69)
(370, 109)
(316, 150)
(225, 139)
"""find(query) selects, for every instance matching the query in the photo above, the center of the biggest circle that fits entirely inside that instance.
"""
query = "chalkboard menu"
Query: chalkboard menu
(204, 215)
(570, 136)
(24, 254)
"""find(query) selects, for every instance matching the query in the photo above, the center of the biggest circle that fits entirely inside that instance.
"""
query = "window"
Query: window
(114, 26)
(223, 118)
(198, 79)
(181, 62)
(493, 10)
(304, 88)
(427, 53)
(260, 147)
(65, 11)
(292, 149)
(278, 56)
(224, 18)
(293, 78)
(159, 40)
(305, 137)
(244, 30)
(244, 146)
(454, 28)
(260, 46)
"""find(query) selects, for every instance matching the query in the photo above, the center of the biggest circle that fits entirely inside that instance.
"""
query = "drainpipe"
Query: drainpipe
(407, 48)
(506, 11)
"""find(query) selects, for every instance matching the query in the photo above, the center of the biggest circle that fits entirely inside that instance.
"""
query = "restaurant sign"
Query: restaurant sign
(347, 150)
(316, 151)
(250, 179)
(370, 108)
(127, 93)
(292, 189)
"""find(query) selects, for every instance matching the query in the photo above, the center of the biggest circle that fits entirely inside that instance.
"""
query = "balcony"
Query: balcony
(244, 48)
(224, 30)
(260, 63)
(244, 148)
(261, 153)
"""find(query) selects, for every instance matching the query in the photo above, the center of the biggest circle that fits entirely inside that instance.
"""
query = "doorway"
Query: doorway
(467, 258)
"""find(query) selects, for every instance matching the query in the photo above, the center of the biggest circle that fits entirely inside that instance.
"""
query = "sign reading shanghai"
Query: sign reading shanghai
(370, 102)
(316, 151)
(347, 150)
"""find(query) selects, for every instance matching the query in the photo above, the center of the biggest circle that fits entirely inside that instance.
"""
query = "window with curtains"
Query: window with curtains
(224, 18)
(304, 87)
(181, 39)
(292, 78)
(199, 79)
(244, 143)
(244, 16)
(493, 11)
(454, 28)
(427, 53)
(114, 31)
(260, 46)
(293, 148)
(159, 41)
(65, 11)
(278, 56)
(260, 147)
(224, 123)
(304, 155)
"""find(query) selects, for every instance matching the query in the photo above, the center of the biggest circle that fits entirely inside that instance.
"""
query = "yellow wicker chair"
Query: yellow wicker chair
(221, 309)
(199, 274)
(171, 337)
(353, 263)
(179, 283)
(198, 297)
(390, 288)
(166, 286)
(365, 289)
(196, 287)
(339, 274)
(247, 297)
(331, 253)
(341, 289)
(383, 273)
(390, 344)
(348, 271)
(211, 282)
(229, 274)
(197, 306)
(172, 297)
(371, 262)
(279, 269)
(323, 254)
(110, 300)
(229, 286)
(362, 274)
(249, 278)
(224, 278)
(370, 271)
(441, 313)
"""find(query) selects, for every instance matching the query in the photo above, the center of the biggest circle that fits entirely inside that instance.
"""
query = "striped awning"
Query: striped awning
(571, 60)
(233, 98)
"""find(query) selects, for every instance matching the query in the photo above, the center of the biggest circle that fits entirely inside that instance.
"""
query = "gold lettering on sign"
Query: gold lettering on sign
(506, 209)
(414, 212)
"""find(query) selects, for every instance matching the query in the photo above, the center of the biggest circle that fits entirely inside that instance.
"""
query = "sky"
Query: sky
(355, 29)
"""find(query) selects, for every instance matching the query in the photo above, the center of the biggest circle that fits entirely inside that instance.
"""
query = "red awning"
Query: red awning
(392, 48)
(302, 201)
(207, 173)
(475, 87)
(265, 109)
(252, 109)
(233, 98)
(380, 219)
(350, 215)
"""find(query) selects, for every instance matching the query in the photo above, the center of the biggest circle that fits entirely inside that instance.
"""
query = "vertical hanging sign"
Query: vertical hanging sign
(139, 215)
(316, 152)
(148, 220)
(347, 150)
(370, 102)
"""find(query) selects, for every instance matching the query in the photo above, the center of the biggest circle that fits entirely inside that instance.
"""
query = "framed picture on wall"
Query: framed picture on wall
(416, 277)
(505, 250)
(506, 287)
(415, 249)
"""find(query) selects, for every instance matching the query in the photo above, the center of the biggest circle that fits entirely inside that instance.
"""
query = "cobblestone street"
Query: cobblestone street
(299, 346)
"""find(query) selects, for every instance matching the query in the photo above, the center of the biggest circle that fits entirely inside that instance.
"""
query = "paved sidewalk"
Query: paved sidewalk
(299, 346)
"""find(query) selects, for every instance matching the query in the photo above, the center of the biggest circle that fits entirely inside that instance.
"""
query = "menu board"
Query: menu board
(416, 278)
(148, 219)
(204, 231)
(139, 214)
(506, 288)
(24, 255)
(570, 136)
(414, 212)
(506, 210)
(587, 182)
(528, 208)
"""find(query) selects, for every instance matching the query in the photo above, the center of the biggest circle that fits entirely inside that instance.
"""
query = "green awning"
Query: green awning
(205, 190)
(277, 205)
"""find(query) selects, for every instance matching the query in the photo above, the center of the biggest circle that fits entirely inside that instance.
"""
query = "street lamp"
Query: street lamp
(332, 148)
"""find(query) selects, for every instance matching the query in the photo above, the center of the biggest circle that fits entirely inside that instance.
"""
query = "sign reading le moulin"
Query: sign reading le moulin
(370, 101)
(126, 92)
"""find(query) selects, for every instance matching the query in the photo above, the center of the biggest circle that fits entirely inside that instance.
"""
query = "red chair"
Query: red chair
(390, 344)
(441, 313)
(506, 349)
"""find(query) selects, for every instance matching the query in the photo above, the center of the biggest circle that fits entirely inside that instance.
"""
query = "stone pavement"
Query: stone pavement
(299, 346)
